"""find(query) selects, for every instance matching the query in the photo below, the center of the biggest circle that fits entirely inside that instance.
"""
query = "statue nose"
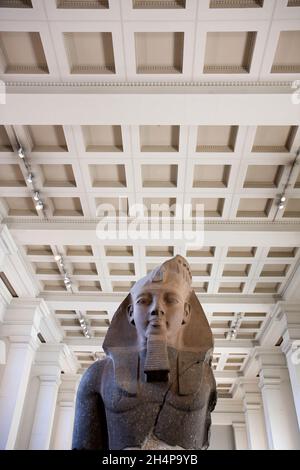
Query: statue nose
(157, 312)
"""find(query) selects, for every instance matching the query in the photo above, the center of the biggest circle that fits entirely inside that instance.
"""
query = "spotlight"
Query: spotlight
(21, 153)
(281, 206)
(36, 196)
(39, 206)
(282, 199)
(29, 178)
(57, 257)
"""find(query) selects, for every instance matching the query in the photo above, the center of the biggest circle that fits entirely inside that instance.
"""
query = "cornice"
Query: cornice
(155, 85)
(85, 221)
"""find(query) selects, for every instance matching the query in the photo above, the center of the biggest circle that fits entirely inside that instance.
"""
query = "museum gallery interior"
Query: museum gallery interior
(150, 103)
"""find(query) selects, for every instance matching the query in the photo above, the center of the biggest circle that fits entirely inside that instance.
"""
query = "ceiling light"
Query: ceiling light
(57, 257)
(281, 206)
(39, 206)
(21, 153)
(282, 199)
(36, 196)
(29, 178)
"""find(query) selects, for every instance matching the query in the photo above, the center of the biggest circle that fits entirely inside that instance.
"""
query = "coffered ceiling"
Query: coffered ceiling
(163, 101)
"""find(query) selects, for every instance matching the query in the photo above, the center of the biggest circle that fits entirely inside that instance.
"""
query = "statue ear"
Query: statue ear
(186, 313)
(130, 314)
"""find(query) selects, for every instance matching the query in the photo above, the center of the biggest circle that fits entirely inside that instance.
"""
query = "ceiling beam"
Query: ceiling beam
(133, 105)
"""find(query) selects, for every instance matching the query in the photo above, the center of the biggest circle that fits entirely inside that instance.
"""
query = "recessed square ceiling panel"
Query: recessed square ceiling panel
(200, 269)
(46, 268)
(84, 269)
(263, 176)
(229, 52)
(78, 250)
(82, 4)
(22, 53)
(119, 250)
(239, 270)
(287, 56)
(121, 286)
(159, 138)
(267, 287)
(292, 208)
(57, 176)
(213, 207)
(15, 4)
(5, 145)
(201, 252)
(241, 252)
(231, 287)
(282, 252)
(160, 251)
(90, 52)
(274, 270)
(102, 138)
(121, 269)
(200, 287)
(293, 3)
(108, 176)
(158, 4)
(236, 3)
(159, 176)
(274, 138)
(89, 286)
(54, 286)
(216, 138)
(40, 250)
(159, 52)
(211, 176)
(66, 206)
(160, 206)
(20, 206)
(111, 206)
(253, 207)
(11, 176)
(47, 138)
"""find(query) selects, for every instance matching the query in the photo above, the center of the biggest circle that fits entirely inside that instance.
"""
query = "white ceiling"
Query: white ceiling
(190, 102)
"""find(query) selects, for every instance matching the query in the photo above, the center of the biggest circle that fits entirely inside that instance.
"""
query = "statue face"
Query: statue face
(159, 309)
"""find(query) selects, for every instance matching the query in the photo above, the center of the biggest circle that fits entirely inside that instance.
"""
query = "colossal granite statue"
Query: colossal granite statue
(155, 389)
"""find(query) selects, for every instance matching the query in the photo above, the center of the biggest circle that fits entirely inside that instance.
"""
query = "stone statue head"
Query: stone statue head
(161, 311)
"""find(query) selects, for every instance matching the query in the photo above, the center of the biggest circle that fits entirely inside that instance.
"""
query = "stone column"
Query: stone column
(240, 436)
(280, 414)
(65, 410)
(48, 368)
(254, 414)
(20, 328)
(291, 348)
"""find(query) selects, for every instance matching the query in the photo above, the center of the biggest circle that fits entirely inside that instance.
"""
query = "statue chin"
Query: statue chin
(157, 365)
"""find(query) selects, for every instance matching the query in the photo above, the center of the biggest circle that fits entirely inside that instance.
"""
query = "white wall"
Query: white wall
(221, 438)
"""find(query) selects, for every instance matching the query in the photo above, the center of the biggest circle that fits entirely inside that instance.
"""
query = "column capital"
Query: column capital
(55, 357)
(67, 389)
(23, 314)
(250, 393)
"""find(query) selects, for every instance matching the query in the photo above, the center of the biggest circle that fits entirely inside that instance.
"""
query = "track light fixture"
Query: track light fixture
(21, 153)
(39, 205)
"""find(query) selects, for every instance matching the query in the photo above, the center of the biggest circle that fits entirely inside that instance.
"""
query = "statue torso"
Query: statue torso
(156, 411)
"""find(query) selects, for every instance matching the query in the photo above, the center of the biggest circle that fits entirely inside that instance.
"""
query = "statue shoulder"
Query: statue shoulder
(91, 380)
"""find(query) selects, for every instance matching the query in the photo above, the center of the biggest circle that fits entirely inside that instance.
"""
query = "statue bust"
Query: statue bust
(155, 389)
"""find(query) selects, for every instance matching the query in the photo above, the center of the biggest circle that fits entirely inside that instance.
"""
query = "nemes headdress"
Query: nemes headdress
(121, 341)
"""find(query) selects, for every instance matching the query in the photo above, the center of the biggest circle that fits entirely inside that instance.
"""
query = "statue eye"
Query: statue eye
(142, 301)
(172, 300)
